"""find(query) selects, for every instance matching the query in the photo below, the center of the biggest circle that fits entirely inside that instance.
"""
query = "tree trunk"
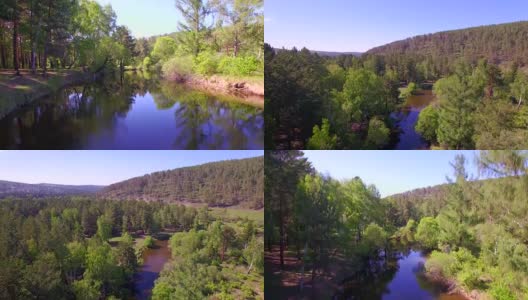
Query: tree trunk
(44, 70)
(281, 235)
(16, 63)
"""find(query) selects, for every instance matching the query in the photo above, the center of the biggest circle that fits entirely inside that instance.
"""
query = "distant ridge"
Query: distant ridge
(230, 183)
(498, 43)
(326, 53)
(18, 189)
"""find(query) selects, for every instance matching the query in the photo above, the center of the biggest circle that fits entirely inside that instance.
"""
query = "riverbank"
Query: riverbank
(454, 288)
(16, 91)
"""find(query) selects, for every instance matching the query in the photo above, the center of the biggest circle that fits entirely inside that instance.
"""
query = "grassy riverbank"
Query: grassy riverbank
(16, 91)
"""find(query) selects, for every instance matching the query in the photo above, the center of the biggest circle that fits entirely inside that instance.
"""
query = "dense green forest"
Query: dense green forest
(227, 183)
(497, 43)
(62, 34)
(223, 37)
(346, 102)
(217, 36)
(318, 228)
(67, 248)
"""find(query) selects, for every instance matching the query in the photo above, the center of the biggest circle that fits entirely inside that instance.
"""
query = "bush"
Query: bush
(378, 134)
(322, 139)
(239, 66)
(409, 90)
(441, 263)
(178, 68)
(206, 63)
(500, 291)
(147, 63)
(148, 242)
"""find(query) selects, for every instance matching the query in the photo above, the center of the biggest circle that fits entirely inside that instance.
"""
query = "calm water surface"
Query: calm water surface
(140, 113)
(397, 280)
(406, 119)
(153, 262)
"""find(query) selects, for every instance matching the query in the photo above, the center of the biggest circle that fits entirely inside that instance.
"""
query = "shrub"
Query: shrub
(178, 68)
(500, 291)
(239, 66)
(322, 138)
(148, 242)
(441, 263)
(206, 63)
(378, 134)
(147, 63)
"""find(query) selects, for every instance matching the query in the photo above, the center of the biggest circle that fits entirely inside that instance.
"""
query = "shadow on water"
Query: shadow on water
(143, 113)
(406, 119)
(398, 277)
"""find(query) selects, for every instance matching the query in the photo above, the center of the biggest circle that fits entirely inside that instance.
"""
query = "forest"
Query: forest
(82, 248)
(327, 238)
(62, 34)
(218, 37)
(477, 77)
(221, 184)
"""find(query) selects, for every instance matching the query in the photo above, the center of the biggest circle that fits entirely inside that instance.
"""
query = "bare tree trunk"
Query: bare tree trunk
(16, 63)
(281, 235)
(48, 40)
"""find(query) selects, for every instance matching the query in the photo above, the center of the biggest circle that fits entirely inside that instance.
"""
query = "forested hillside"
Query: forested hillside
(17, 189)
(497, 43)
(226, 183)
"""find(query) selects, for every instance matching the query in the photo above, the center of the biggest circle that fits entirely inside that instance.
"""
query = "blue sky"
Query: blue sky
(391, 171)
(146, 17)
(358, 25)
(101, 167)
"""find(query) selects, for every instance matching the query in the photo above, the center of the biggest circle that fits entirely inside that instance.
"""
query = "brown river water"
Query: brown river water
(153, 262)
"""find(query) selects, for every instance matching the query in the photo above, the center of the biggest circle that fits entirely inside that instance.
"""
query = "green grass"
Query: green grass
(238, 213)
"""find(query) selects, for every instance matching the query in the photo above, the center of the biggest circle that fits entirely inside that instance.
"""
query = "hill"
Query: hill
(497, 43)
(326, 53)
(336, 54)
(17, 189)
(233, 183)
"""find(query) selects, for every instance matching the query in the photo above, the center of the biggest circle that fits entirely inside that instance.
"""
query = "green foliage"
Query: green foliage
(427, 124)
(204, 184)
(362, 96)
(441, 263)
(164, 49)
(148, 242)
(206, 63)
(178, 69)
(321, 138)
(238, 66)
(374, 237)
(378, 134)
(104, 228)
(409, 90)
(455, 121)
(147, 63)
(427, 232)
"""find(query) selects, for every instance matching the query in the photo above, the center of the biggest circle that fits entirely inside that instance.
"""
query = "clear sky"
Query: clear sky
(146, 17)
(391, 171)
(101, 167)
(358, 25)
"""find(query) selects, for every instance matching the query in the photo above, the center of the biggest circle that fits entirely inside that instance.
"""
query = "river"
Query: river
(153, 262)
(143, 112)
(399, 278)
(406, 119)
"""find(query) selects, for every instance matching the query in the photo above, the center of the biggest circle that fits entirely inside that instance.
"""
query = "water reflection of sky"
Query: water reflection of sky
(169, 118)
